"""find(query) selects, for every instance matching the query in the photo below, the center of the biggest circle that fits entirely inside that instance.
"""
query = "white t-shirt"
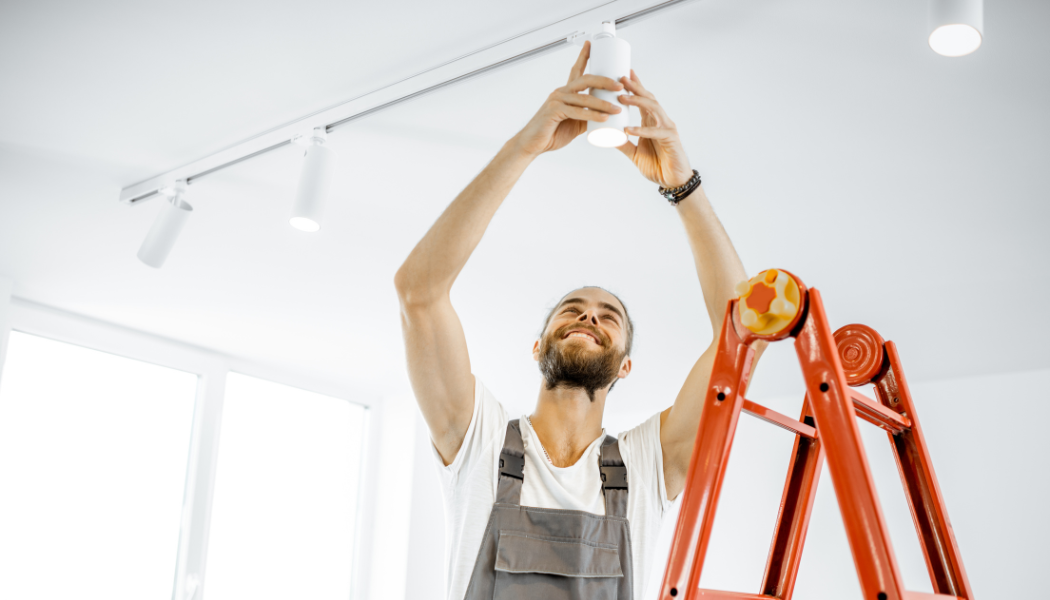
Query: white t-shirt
(469, 485)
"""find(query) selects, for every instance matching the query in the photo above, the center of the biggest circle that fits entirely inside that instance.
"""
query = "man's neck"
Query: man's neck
(567, 421)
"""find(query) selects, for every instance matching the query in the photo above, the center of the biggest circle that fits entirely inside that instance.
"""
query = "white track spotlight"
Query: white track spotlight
(314, 181)
(610, 57)
(956, 26)
(165, 231)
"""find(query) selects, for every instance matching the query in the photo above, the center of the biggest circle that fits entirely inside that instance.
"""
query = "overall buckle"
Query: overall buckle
(512, 466)
(614, 478)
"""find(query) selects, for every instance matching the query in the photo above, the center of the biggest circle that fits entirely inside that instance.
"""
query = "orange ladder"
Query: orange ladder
(773, 306)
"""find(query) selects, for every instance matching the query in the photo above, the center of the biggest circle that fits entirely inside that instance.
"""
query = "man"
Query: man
(540, 507)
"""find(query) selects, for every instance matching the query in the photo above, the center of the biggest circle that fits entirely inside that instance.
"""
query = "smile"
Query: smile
(584, 335)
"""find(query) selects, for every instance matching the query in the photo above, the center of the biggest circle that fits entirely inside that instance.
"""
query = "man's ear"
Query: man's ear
(536, 351)
(625, 367)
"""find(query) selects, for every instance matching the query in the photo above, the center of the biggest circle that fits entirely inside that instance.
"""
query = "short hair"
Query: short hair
(628, 327)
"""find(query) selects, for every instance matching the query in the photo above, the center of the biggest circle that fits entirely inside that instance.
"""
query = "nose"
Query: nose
(589, 316)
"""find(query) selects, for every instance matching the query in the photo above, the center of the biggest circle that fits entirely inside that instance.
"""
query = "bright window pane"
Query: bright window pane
(93, 451)
(285, 494)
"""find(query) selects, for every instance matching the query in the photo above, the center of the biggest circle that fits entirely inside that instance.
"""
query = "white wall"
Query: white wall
(991, 454)
(5, 317)
(426, 523)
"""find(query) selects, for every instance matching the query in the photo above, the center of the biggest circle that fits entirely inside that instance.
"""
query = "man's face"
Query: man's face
(584, 344)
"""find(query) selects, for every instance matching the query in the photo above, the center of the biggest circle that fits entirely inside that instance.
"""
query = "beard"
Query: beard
(571, 365)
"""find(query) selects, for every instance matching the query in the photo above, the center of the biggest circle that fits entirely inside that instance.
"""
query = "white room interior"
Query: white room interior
(908, 187)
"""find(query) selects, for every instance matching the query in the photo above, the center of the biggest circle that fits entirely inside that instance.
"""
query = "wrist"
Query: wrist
(680, 179)
(677, 194)
(695, 198)
(511, 158)
(516, 147)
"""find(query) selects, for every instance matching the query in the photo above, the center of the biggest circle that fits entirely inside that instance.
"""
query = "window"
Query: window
(93, 453)
(285, 499)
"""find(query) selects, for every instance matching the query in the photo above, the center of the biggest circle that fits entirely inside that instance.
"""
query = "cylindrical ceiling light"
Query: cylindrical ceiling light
(166, 228)
(610, 57)
(956, 26)
(315, 179)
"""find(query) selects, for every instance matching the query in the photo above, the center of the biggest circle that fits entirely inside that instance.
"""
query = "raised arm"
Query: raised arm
(719, 269)
(660, 156)
(436, 349)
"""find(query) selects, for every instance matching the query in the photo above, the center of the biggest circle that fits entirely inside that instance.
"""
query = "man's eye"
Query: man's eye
(572, 309)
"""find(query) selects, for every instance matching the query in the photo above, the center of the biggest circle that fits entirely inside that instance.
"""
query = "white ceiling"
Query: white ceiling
(909, 188)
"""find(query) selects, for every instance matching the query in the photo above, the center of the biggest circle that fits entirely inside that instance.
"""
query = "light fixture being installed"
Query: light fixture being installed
(956, 26)
(610, 57)
(315, 179)
(166, 228)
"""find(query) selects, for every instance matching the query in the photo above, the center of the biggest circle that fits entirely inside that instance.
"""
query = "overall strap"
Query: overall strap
(614, 478)
(511, 466)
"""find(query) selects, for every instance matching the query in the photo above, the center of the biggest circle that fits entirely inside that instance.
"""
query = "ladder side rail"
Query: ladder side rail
(929, 514)
(796, 504)
(703, 482)
(836, 421)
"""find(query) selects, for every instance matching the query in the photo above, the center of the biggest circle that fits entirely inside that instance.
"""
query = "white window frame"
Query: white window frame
(211, 368)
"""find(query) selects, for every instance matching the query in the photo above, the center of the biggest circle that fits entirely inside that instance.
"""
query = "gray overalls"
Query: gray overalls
(554, 554)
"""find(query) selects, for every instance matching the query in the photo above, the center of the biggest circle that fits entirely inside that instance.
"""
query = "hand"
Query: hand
(659, 154)
(565, 113)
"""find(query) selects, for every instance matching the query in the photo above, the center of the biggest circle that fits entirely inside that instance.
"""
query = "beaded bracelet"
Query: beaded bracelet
(676, 195)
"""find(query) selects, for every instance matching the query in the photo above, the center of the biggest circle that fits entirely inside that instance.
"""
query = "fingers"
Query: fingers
(650, 105)
(584, 82)
(634, 85)
(628, 149)
(586, 100)
(581, 62)
(580, 114)
(654, 133)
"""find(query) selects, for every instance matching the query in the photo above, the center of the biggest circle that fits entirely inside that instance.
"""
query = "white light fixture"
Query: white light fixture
(166, 228)
(956, 26)
(610, 57)
(315, 179)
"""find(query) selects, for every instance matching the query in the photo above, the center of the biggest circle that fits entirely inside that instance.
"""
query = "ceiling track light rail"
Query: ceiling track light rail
(332, 126)
(476, 73)
(641, 15)
(193, 178)
(518, 48)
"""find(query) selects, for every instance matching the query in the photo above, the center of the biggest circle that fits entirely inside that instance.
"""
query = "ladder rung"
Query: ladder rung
(877, 414)
(928, 596)
(720, 595)
(772, 416)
